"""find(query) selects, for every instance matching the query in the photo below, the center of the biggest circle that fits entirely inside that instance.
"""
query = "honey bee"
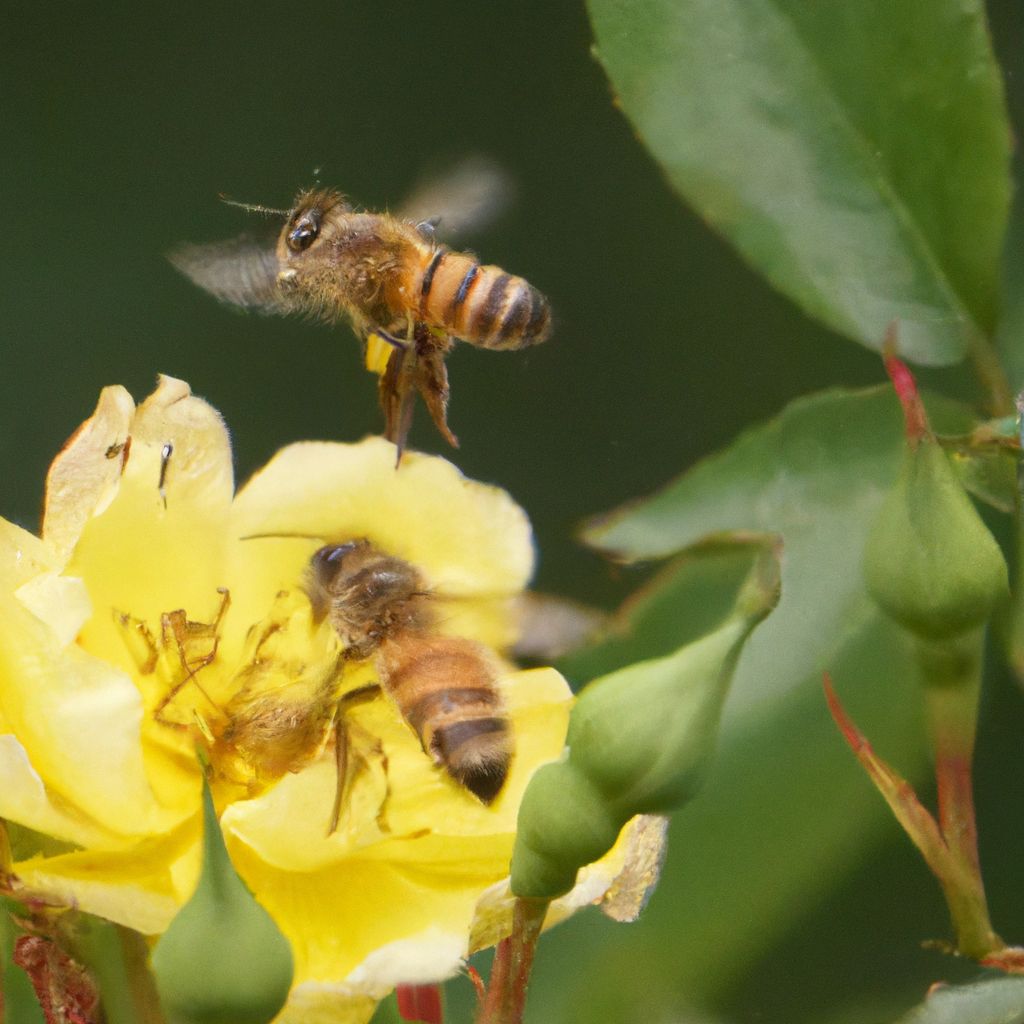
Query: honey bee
(404, 293)
(444, 687)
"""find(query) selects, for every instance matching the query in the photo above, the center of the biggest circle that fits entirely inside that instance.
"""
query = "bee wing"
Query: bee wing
(466, 198)
(551, 626)
(241, 272)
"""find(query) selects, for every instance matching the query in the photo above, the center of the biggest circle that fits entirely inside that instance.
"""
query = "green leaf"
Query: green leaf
(816, 475)
(786, 812)
(223, 959)
(1010, 336)
(855, 151)
(687, 598)
(992, 1001)
(989, 472)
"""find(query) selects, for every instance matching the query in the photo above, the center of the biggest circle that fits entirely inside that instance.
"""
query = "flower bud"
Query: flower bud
(639, 742)
(564, 823)
(930, 561)
(222, 960)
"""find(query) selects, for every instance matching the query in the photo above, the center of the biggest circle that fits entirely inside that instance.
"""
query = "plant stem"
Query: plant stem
(952, 683)
(991, 375)
(506, 994)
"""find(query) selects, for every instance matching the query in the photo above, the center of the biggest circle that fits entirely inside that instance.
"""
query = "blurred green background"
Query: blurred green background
(122, 123)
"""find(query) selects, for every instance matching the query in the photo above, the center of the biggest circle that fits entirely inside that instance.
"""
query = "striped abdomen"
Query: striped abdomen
(482, 304)
(445, 689)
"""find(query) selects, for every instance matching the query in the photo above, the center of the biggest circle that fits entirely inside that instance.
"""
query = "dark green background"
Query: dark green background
(120, 125)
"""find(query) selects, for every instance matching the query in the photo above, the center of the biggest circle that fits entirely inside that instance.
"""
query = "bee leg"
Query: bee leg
(396, 391)
(432, 379)
(341, 767)
(432, 384)
(341, 746)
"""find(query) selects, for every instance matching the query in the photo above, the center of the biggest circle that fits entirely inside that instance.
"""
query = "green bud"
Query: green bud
(563, 823)
(639, 742)
(222, 960)
(644, 735)
(930, 562)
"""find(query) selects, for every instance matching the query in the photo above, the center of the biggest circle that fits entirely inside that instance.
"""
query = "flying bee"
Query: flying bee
(406, 295)
(444, 687)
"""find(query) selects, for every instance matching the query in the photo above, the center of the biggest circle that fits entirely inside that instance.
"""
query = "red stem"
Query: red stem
(420, 1003)
(506, 995)
(956, 807)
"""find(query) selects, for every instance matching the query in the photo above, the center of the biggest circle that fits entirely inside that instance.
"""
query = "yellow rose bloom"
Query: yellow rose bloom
(158, 603)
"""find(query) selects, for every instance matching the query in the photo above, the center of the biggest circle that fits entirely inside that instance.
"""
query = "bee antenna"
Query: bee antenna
(252, 207)
(283, 536)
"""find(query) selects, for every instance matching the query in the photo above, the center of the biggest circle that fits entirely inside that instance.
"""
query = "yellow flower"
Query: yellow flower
(157, 605)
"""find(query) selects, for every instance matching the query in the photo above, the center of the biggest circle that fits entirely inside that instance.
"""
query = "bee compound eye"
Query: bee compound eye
(328, 560)
(304, 231)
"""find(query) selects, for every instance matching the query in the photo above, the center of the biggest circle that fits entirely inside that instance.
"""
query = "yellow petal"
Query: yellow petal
(314, 1003)
(84, 476)
(431, 956)
(62, 602)
(79, 719)
(29, 567)
(469, 540)
(335, 918)
(24, 799)
(417, 861)
(23, 556)
(140, 887)
(156, 549)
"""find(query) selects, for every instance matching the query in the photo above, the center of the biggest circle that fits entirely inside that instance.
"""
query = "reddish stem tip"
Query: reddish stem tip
(914, 416)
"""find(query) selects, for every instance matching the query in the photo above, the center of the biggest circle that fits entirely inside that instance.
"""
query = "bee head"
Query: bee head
(355, 581)
(307, 217)
(329, 562)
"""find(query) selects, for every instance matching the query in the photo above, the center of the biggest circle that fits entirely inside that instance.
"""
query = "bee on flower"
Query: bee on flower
(159, 610)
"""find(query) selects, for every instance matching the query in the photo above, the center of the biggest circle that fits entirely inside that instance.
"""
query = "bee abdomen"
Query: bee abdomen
(446, 691)
(482, 304)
